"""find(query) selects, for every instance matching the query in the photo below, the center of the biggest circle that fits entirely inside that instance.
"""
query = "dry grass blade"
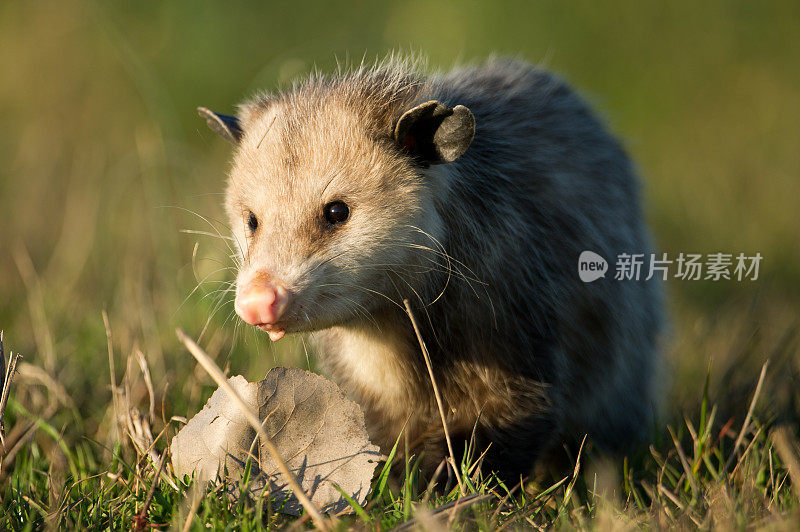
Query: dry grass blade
(36, 307)
(746, 424)
(433, 480)
(140, 518)
(196, 498)
(147, 382)
(213, 370)
(503, 501)
(575, 471)
(677, 502)
(2, 391)
(753, 440)
(458, 504)
(6, 386)
(685, 463)
(112, 374)
(16, 443)
(2, 361)
(35, 374)
(436, 393)
(786, 449)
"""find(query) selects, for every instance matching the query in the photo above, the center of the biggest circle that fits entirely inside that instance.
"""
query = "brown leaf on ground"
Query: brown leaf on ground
(317, 430)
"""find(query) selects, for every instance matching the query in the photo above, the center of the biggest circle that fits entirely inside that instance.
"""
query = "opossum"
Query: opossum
(471, 194)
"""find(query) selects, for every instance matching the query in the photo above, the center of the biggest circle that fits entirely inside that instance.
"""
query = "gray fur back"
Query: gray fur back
(542, 182)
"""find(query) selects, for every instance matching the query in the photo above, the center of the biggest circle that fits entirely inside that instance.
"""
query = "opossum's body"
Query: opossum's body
(485, 247)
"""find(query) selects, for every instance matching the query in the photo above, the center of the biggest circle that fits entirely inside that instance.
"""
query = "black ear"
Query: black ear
(225, 126)
(434, 132)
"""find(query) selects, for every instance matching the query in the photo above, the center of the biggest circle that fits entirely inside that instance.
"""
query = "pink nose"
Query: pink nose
(261, 303)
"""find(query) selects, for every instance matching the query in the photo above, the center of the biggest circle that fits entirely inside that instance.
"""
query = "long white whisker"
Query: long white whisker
(217, 232)
(206, 233)
(366, 289)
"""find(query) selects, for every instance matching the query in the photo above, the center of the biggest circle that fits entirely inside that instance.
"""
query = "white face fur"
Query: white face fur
(328, 210)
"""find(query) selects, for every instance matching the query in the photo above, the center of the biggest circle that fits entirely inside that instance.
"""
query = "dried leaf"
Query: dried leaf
(317, 430)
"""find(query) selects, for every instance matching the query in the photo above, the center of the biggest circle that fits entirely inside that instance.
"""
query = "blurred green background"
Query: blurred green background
(104, 160)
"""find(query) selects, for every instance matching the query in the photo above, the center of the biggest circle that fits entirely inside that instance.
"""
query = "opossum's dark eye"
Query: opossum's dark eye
(337, 212)
(252, 222)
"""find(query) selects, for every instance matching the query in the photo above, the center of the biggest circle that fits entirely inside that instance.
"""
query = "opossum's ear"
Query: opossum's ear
(434, 132)
(225, 126)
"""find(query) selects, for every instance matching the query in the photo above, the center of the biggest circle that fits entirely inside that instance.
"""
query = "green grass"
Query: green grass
(105, 162)
(696, 474)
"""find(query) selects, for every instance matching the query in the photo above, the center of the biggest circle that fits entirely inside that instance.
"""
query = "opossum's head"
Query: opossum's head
(332, 204)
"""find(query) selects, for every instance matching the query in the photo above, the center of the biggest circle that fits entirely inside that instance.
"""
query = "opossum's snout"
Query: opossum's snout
(261, 302)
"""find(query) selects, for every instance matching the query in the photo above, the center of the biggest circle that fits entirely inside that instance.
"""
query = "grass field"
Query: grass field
(108, 175)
